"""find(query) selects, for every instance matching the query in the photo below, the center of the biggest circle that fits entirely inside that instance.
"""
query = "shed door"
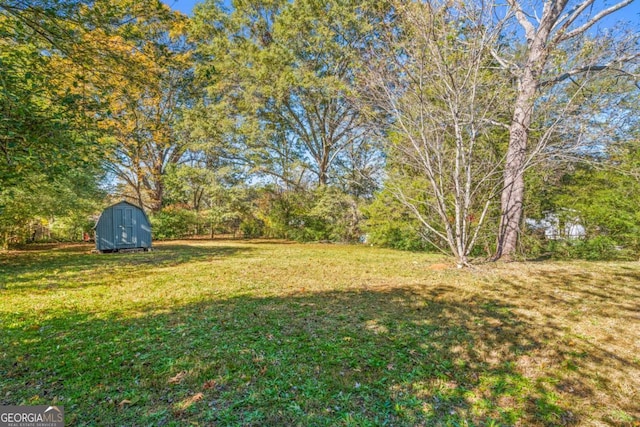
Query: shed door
(124, 227)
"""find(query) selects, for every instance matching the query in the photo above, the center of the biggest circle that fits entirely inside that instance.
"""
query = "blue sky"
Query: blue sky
(631, 13)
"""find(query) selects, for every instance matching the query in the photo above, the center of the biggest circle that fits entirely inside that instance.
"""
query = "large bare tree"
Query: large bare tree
(554, 53)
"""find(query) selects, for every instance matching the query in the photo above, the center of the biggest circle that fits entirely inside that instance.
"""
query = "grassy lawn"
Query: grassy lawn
(269, 333)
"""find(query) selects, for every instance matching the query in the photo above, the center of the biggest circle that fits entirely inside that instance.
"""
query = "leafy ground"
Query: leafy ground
(269, 333)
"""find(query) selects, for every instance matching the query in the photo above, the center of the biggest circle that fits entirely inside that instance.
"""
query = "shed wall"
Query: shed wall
(104, 231)
(123, 226)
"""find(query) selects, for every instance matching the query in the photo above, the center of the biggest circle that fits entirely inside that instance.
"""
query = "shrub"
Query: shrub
(325, 213)
(389, 224)
(598, 248)
(252, 227)
(173, 222)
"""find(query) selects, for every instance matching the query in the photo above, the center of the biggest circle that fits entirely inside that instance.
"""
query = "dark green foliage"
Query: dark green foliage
(72, 227)
(63, 206)
(279, 142)
(279, 78)
(390, 224)
(173, 222)
(325, 213)
(50, 162)
(603, 197)
(607, 202)
(333, 216)
(252, 227)
(595, 248)
(43, 127)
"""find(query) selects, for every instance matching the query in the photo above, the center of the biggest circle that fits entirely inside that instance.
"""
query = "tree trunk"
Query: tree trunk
(157, 189)
(4, 243)
(139, 196)
(323, 166)
(158, 196)
(138, 187)
(512, 197)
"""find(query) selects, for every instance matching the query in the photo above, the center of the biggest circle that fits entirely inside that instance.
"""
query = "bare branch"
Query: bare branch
(570, 17)
(561, 36)
(529, 29)
(594, 68)
(507, 65)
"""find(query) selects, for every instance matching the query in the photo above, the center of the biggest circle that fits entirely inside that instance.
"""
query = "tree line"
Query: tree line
(474, 128)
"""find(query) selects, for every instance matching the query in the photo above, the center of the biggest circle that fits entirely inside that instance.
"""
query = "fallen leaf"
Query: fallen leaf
(131, 401)
(209, 384)
(177, 379)
(186, 403)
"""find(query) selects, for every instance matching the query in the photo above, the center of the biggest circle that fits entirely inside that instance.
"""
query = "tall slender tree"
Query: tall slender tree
(437, 83)
(554, 53)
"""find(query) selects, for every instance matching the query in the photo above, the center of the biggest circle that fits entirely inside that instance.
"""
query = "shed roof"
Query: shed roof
(119, 203)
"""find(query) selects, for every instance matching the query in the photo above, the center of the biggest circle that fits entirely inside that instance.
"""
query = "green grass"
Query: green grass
(271, 333)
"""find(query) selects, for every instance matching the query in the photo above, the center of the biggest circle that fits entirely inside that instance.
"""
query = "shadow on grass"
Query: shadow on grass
(338, 358)
(32, 270)
(570, 290)
(592, 318)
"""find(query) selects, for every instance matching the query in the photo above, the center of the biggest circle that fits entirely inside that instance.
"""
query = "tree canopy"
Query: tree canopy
(448, 126)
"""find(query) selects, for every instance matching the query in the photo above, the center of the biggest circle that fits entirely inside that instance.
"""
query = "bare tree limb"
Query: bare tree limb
(594, 68)
(562, 36)
(529, 29)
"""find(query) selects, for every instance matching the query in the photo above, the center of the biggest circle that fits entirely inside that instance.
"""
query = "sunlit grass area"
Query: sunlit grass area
(272, 333)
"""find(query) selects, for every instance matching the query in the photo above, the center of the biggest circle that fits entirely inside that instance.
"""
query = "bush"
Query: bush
(173, 222)
(389, 224)
(325, 213)
(598, 248)
(252, 227)
(333, 216)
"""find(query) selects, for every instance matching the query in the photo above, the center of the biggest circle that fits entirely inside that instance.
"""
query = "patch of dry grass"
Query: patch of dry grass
(268, 333)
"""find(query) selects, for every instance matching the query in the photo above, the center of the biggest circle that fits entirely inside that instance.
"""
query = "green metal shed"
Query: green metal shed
(123, 226)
